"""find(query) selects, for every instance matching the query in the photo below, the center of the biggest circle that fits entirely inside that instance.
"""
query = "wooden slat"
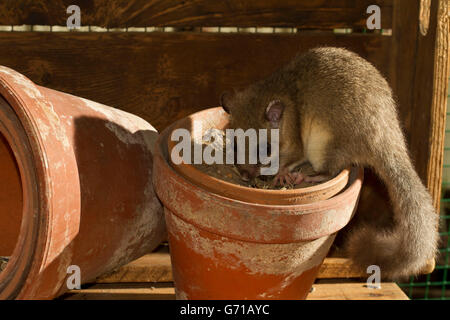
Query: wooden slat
(356, 291)
(439, 98)
(156, 267)
(164, 76)
(124, 291)
(340, 268)
(424, 16)
(239, 13)
(419, 77)
(166, 291)
(344, 268)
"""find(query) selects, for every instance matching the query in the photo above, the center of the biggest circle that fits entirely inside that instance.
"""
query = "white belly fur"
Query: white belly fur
(315, 138)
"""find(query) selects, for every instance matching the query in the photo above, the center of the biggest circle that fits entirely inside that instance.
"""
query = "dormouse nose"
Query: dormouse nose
(249, 173)
(245, 176)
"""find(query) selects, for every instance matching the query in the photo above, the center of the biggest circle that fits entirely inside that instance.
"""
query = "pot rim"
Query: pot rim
(174, 190)
(303, 206)
(190, 170)
(161, 150)
(15, 130)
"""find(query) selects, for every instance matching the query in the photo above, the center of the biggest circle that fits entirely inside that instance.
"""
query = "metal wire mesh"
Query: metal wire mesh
(436, 286)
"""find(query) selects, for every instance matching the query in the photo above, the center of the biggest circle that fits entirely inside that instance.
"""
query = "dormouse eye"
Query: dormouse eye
(225, 108)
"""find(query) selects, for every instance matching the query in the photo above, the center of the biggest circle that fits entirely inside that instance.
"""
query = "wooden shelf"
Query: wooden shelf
(166, 291)
(156, 267)
(150, 278)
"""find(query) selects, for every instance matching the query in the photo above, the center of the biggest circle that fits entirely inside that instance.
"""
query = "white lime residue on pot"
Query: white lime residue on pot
(290, 259)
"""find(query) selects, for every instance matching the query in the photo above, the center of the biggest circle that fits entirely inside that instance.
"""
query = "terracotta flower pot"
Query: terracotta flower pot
(218, 119)
(75, 188)
(223, 248)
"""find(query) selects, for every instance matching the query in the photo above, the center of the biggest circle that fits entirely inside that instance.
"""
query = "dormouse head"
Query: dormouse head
(251, 112)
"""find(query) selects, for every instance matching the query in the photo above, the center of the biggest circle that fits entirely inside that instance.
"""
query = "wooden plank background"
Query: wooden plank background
(420, 74)
(164, 76)
(317, 14)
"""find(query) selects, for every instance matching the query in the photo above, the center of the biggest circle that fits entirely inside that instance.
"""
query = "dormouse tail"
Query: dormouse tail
(404, 249)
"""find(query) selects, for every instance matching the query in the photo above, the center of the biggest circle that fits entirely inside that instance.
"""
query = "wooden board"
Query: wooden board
(420, 79)
(356, 291)
(166, 291)
(292, 13)
(438, 113)
(156, 267)
(163, 77)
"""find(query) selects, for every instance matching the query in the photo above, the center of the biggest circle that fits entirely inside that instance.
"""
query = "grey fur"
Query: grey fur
(350, 105)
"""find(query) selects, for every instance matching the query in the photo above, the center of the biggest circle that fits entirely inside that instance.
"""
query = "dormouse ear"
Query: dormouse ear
(225, 98)
(274, 112)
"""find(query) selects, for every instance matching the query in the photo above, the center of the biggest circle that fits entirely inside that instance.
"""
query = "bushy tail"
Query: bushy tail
(404, 249)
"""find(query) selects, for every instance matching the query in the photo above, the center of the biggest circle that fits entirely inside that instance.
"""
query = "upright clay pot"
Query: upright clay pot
(223, 248)
(75, 188)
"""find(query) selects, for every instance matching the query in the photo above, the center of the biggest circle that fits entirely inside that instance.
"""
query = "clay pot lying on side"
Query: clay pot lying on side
(75, 189)
(224, 248)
